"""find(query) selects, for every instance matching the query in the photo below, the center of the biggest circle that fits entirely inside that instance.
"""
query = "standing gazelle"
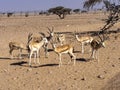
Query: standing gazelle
(84, 40)
(96, 45)
(66, 48)
(34, 48)
(51, 34)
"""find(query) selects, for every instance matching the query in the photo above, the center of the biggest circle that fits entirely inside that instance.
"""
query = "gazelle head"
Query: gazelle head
(102, 41)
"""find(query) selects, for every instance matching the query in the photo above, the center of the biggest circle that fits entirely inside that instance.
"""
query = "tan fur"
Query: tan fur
(84, 40)
(16, 46)
(34, 47)
(64, 49)
(96, 45)
(61, 38)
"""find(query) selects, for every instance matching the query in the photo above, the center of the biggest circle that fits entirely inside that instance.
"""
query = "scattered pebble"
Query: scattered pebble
(5, 70)
(36, 73)
(113, 65)
(50, 72)
(83, 79)
(101, 76)
(105, 72)
(15, 78)
(30, 69)
(75, 78)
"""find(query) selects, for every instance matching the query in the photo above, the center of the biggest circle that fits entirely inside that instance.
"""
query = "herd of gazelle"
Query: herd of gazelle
(34, 45)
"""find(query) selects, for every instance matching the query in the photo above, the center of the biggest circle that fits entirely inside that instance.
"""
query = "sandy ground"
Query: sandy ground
(17, 75)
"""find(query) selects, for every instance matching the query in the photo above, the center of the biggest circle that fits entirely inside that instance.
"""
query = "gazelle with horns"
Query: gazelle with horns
(51, 34)
(96, 45)
(62, 49)
(34, 47)
(83, 40)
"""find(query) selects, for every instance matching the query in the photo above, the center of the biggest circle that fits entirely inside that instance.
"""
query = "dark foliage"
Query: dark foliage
(60, 11)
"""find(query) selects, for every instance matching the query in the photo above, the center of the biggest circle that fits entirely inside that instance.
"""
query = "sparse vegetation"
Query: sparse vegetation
(60, 11)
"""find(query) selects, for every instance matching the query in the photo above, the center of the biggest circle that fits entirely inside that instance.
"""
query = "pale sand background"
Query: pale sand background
(17, 75)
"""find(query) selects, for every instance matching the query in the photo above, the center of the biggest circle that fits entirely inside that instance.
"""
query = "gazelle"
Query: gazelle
(96, 45)
(16, 46)
(61, 38)
(62, 49)
(34, 48)
(84, 40)
(51, 34)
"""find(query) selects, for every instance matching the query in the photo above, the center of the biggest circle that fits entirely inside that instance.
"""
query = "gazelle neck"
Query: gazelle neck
(77, 37)
(53, 46)
(50, 37)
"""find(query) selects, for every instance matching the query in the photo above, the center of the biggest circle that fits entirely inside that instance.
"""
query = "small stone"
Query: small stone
(75, 78)
(14, 78)
(100, 76)
(113, 65)
(5, 70)
(50, 72)
(36, 73)
(83, 79)
(105, 72)
(30, 69)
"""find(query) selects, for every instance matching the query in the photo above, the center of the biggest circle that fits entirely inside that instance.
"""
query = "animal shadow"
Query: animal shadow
(5, 58)
(48, 65)
(81, 59)
(19, 63)
(50, 50)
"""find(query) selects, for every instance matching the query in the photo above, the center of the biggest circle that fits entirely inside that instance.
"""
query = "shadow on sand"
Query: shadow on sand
(6, 58)
(83, 59)
(19, 63)
(48, 65)
(23, 63)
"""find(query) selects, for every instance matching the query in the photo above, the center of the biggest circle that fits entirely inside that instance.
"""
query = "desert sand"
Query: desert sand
(85, 75)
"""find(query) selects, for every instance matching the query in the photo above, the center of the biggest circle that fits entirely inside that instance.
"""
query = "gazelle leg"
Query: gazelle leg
(60, 62)
(97, 55)
(70, 60)
(20, 50)
(46, 52)
(38, 61)
(93, 53)
(82, 47)
(74, 57)
(11, 55)
(30, 58)
(35, 57)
